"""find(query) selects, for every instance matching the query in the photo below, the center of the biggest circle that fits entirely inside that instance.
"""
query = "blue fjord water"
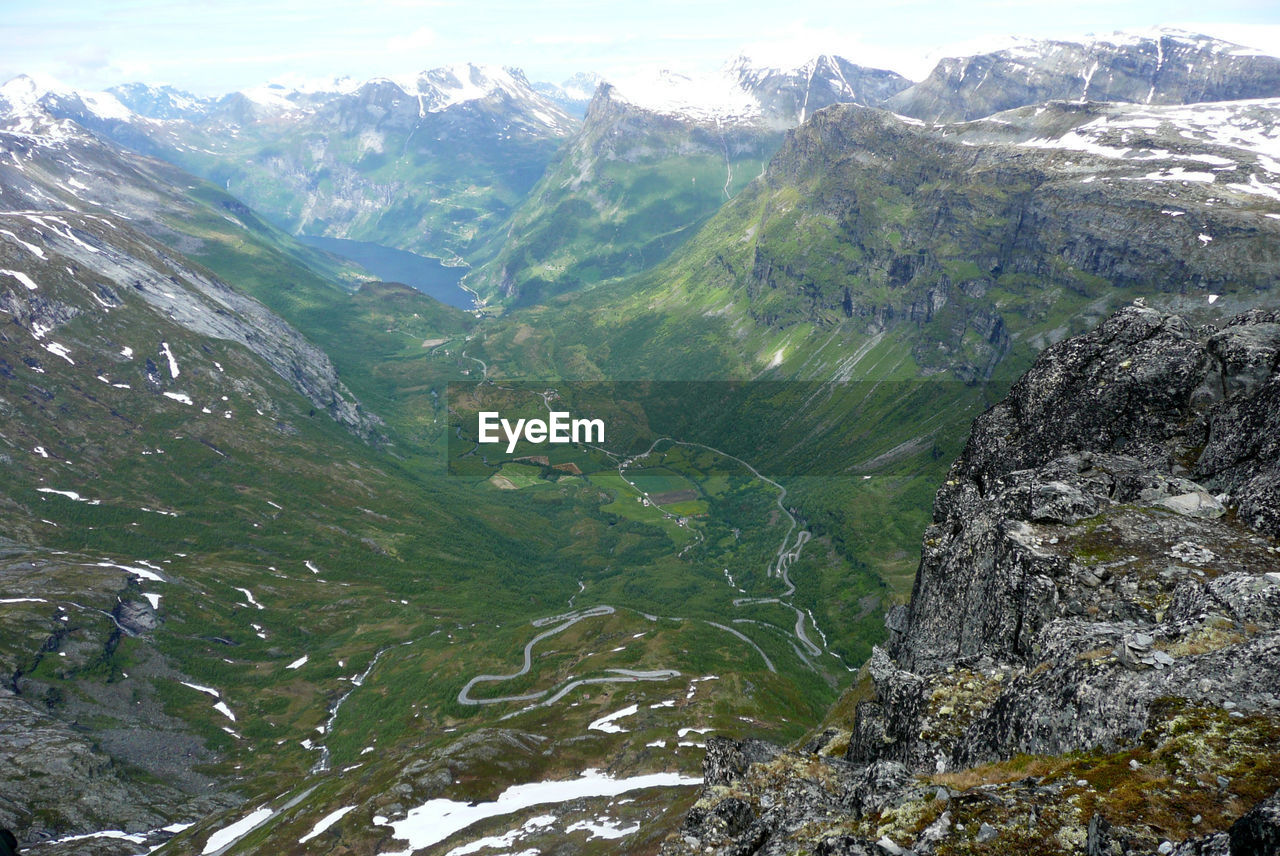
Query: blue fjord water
(425, 274)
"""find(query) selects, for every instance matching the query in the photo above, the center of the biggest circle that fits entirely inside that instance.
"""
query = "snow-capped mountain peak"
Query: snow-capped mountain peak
(1158, 66)
(715, 97)
(435, 90)
(21, 92)
(746, 90)
(27, 92)
(160, 102)
(50, 113)
(457, 84)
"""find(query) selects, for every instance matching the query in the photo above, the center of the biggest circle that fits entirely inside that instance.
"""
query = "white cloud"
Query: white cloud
(1264, 37)
(797, 43)
(418, 40)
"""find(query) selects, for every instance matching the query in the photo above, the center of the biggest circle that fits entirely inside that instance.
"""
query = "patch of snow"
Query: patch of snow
(154, 598)
(1177, 173)
(69, 494)
(437, 819)
(138, 572)
(221, 707)
(603, 827)
(181, 397)
(132, 838)
(327, 821)
(230, 834)
(507, 839)
(299, 663)
(173, 364)
(248, 596)
(607, 723)
(22, 278)
(36, 251)
(203, 689)
(58, 351)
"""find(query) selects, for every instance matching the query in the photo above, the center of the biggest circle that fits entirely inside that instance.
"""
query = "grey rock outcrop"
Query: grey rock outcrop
(1258, 831)
(135, 617)
(1101, 578)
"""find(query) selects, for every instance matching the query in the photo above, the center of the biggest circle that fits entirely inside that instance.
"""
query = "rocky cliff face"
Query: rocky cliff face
(79, 263)
(978, 233)
(1160, 67)
(1091, 654)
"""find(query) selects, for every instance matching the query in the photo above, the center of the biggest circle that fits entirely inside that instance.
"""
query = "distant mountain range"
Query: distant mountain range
(471, 163)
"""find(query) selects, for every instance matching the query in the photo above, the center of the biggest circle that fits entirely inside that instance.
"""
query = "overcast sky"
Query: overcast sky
(216, 46)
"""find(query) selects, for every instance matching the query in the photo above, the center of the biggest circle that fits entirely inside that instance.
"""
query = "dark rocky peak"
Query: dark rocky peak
(1158, 67)
(1142, 413)
(1145, 385)
(1093, 640)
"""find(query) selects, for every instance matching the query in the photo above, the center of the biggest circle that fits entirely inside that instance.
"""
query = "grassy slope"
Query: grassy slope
(622, 195)
(404, 553)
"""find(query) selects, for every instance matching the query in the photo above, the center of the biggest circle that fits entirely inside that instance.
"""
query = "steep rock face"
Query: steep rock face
(1125, 414)
(109, 266)
(924, 226)
(1101, 578)
(89, 264)
(1164, 67)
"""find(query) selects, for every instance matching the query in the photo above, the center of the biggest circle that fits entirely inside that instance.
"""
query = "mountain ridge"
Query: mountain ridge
(1151, 67)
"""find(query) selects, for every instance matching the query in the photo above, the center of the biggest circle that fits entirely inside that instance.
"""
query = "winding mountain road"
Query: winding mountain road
(568, 619)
